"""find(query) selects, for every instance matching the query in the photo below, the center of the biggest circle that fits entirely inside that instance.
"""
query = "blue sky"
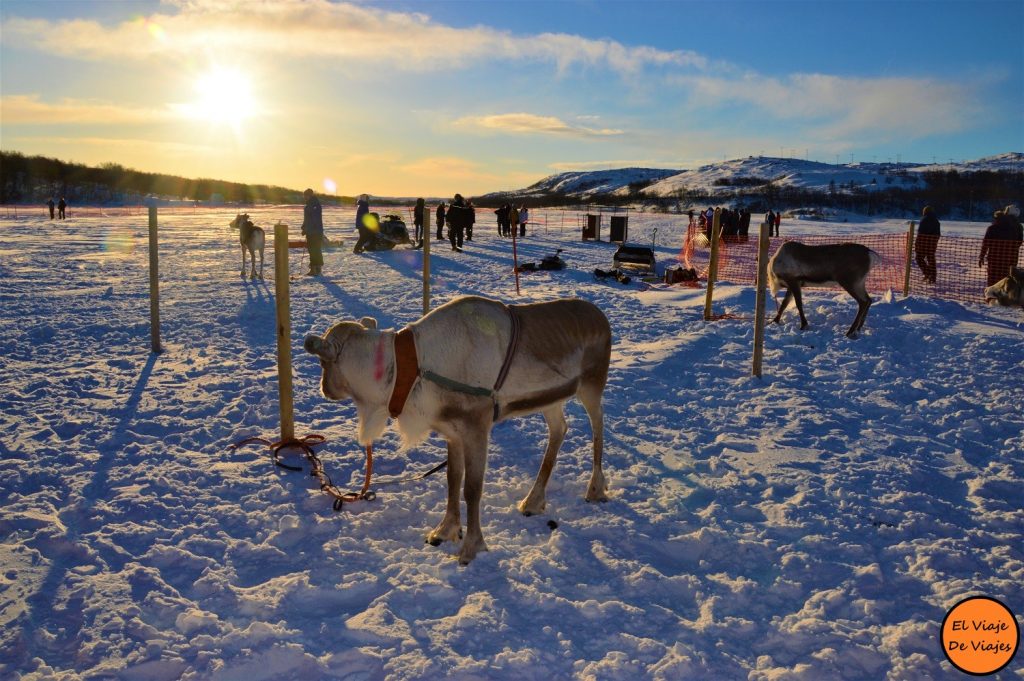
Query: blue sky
(410, 98)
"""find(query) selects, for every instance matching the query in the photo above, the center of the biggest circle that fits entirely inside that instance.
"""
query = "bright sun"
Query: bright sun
(224, 96)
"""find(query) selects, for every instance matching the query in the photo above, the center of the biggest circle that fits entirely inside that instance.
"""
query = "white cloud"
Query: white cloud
(354, 33)
(29, 109)
(836, 107)
(527, 123)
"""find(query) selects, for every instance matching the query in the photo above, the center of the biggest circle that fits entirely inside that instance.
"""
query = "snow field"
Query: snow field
(813, 524)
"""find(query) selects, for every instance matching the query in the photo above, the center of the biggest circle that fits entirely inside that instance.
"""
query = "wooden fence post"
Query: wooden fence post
(716, 234)
(284, 332)
(154, 284)
(515, 257)
(910, 257)
(427, 235)
(759, 305)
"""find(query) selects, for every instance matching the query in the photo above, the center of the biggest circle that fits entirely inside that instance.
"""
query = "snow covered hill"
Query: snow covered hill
(757, 170)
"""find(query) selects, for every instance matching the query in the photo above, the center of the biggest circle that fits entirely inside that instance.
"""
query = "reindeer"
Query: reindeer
(437, 373)
(1008, 291)
(252, 239)
(847, 264)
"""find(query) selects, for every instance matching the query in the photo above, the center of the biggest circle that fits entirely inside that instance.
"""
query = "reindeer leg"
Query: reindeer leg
(798, 297)
(243, 261)
(450, 527)
(261, 263)
(860, 294)
(535, 501)
(476, 464)
(785, 303)
(589, 394)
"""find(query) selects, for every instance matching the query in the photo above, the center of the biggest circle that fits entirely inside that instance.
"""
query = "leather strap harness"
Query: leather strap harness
(407, 370)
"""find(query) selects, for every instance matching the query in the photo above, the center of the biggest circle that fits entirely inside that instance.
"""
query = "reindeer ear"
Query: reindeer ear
(315, 345)
(368, 322)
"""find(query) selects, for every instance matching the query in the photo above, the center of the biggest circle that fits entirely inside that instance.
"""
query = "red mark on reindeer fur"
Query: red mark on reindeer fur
(378, 361)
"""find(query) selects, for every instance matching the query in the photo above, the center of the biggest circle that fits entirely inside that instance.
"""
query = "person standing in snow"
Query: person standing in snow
(472, 220)
(926, 243)
(778, 221)
(61, 205)
(50, 204)
(458, 218)
(513, 218)
(501, 214)
(313, 230)
(524, 217)
(417, 219)
(440, 221)
(362, 224)
(1001, 244)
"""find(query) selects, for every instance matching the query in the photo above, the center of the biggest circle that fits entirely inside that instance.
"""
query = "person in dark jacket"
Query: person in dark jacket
(313, 230)
(1001, 244)
(502, 215)
(458, 218)
(440, 221)
(61, 205)
(472, 220)
(363, 219)
(417, 219)
(926, 243)
(50, 204)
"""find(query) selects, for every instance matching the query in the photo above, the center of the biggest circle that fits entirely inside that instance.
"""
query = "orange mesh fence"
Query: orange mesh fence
(953, 274)
(956, 270)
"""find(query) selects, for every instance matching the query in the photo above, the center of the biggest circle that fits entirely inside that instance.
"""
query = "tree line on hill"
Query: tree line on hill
(34, 179)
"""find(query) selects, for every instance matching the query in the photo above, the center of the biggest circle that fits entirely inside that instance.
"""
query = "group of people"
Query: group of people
(735, 222)
(509, 216)
(60, 205)
(1000, 247)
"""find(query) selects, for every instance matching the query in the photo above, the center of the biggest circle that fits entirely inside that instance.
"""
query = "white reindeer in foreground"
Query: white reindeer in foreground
(847, 265)
(437, 374)
(252, 239)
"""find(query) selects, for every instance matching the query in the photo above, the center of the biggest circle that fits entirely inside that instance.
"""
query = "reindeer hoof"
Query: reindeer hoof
(433, 541)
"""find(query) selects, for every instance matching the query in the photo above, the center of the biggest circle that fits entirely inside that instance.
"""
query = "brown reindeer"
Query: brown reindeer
(252, 239)
(847, 265)
(464, 367)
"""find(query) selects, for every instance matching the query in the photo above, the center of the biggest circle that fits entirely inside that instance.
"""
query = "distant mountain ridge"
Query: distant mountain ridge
(726, 177)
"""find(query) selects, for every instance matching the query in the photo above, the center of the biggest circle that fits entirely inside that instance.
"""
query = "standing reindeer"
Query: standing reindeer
(252, 239)
(437, 374)
(847, 264)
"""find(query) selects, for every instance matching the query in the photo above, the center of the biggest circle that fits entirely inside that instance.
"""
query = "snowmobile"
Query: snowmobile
(391, 231)
(639, 259)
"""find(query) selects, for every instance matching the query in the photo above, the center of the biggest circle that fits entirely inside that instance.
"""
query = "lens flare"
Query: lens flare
(330, 186)
(118, 242)
(155, 30)
(371, 223)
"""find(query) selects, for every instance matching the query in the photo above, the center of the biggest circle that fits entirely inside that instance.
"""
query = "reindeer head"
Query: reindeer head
(240, 221)
(339, 370)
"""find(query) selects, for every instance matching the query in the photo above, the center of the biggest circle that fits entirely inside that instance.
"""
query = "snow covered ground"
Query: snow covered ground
(813, 524)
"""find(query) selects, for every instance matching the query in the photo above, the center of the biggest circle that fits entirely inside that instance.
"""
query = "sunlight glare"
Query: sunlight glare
(224, 95)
